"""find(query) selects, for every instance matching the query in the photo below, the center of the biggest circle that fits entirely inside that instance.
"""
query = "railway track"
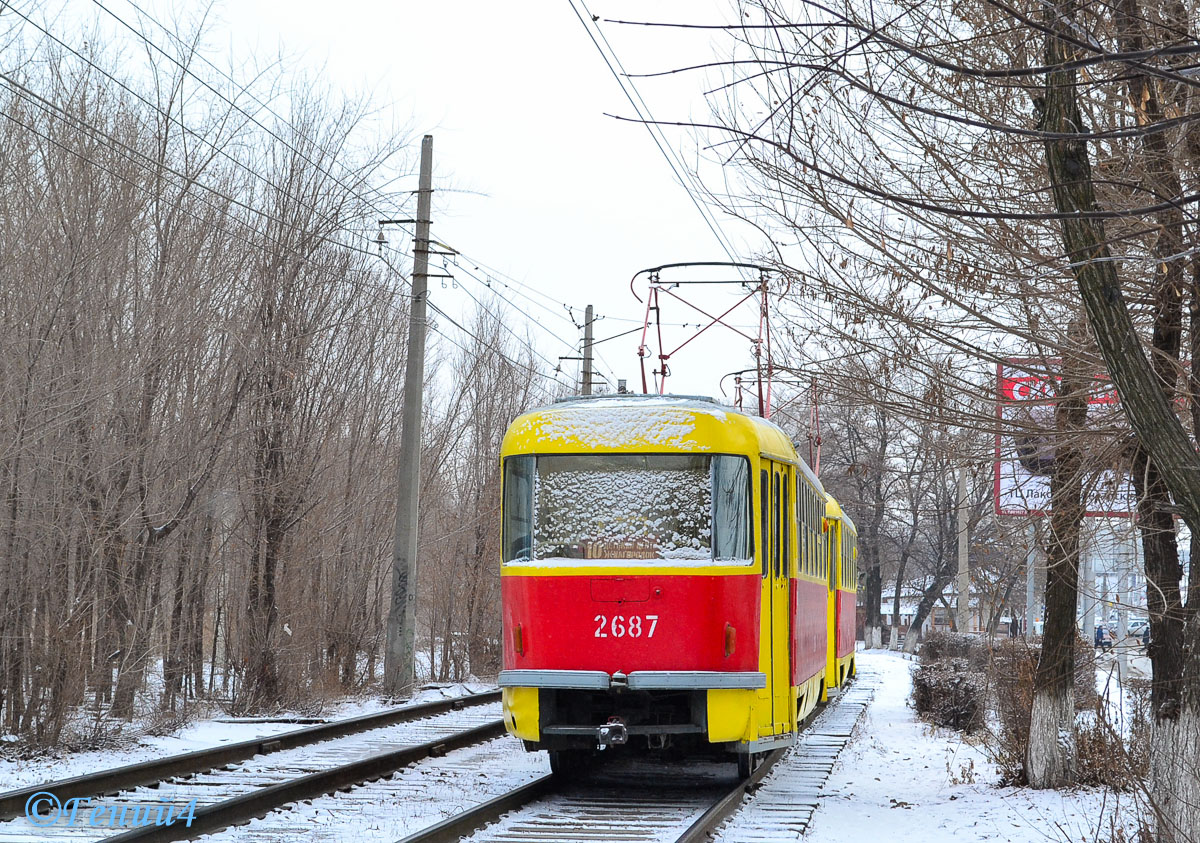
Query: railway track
(234, 783)
(647, 801)
(468, 765)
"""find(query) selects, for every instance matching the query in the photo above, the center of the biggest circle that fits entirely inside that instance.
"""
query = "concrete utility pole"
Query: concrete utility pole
(399, 656)
(962, 616)
(1030, 571)
(1087, 592)
(587, 352)
(1128, 564)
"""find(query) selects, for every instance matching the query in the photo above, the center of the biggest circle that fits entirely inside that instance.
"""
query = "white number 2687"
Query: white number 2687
(634, 626)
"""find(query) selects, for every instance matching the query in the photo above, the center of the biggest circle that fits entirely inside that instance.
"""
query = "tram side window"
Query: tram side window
(775, 543)
(812, 532)
(808, 554)
(801, 530)
(731, 508)
(785, 568)
(765, 519)
(848, 572)
(832, 544)
(801, 534)
(852, 562)
(518, 508)
(808, 534)
(827, 558)
(815, 566)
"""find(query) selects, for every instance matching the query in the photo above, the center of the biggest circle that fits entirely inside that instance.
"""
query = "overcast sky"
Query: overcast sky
(553, 192)
(531, 177)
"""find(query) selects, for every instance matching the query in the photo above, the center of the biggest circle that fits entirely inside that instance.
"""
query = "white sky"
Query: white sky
(564, 199)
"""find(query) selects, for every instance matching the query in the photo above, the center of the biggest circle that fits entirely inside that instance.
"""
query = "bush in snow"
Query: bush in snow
(1011, 671)
(1113, 740)
(949, 693)
(953, 645)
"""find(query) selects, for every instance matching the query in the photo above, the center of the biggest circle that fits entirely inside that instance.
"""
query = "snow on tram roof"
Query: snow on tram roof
(637, 397)
(614, 421)
(621, 421)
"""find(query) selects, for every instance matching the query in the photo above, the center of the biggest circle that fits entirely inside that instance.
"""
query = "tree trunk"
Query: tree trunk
(1175, 775)
(928, 598)
(1050, 757)
(894, 643)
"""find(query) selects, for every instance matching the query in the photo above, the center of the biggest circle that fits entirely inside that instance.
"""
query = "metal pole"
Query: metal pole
(400, 653)
(964, 571)
(587, 352)
(1087, 592)
(1030, 571)
(1128, 560)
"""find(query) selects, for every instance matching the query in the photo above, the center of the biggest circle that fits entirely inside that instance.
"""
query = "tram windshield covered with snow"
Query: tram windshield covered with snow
(670, 577)
(658, 508)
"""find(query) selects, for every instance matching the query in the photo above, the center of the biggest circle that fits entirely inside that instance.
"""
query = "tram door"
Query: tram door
(835, 565)
(781, 603)
(778, 524)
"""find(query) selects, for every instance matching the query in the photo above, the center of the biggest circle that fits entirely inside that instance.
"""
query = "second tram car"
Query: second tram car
(673, 575)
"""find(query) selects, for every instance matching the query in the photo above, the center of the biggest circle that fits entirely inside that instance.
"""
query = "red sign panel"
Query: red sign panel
(1026, 394)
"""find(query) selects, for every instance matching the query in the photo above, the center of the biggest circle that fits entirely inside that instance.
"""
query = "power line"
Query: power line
(568, 344)
(245, 89)
(232, 103)
(188, 71)
(467, 332)
(501, 278)
(152, 165)
(652, 126)
(143, 189)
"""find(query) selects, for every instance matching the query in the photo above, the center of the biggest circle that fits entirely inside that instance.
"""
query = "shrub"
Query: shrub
(1011, 678)
(949, 645)
(949, 693)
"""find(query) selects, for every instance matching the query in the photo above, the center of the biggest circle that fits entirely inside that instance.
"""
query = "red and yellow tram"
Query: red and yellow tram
(672, 575)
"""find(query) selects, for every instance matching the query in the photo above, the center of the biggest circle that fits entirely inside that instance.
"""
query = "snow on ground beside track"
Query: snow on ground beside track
(903, 781)
(199, 734)
(393, 808)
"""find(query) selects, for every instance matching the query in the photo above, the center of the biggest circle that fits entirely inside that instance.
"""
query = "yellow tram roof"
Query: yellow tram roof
(648, 423)
(833, 509)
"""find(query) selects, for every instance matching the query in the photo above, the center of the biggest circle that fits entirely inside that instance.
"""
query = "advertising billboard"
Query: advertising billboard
(1026, 391)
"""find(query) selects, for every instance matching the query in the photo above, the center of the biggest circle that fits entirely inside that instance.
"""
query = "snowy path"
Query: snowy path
(902, 781)
(782, 807)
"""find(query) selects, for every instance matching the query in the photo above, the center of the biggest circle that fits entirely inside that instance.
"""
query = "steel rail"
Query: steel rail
(12, 803)
(465, 823)
(258, 803)
(706, 823)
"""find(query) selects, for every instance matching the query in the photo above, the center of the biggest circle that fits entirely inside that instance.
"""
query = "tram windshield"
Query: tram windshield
(661, 508)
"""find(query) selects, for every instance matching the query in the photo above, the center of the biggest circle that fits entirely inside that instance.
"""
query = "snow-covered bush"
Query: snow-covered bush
(1011, 672)
(949, 693)
(953, 645)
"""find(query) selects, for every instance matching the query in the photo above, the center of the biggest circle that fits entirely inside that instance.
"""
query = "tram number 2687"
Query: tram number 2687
(620, 626)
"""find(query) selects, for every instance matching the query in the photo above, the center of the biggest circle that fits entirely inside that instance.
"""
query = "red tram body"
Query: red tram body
(672, 575)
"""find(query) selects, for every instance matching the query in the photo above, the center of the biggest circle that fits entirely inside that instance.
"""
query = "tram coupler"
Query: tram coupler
(612, 733)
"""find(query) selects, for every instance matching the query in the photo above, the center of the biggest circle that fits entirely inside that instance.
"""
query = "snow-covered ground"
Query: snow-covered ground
(902, 780)
(898, 780)
(199, 734)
